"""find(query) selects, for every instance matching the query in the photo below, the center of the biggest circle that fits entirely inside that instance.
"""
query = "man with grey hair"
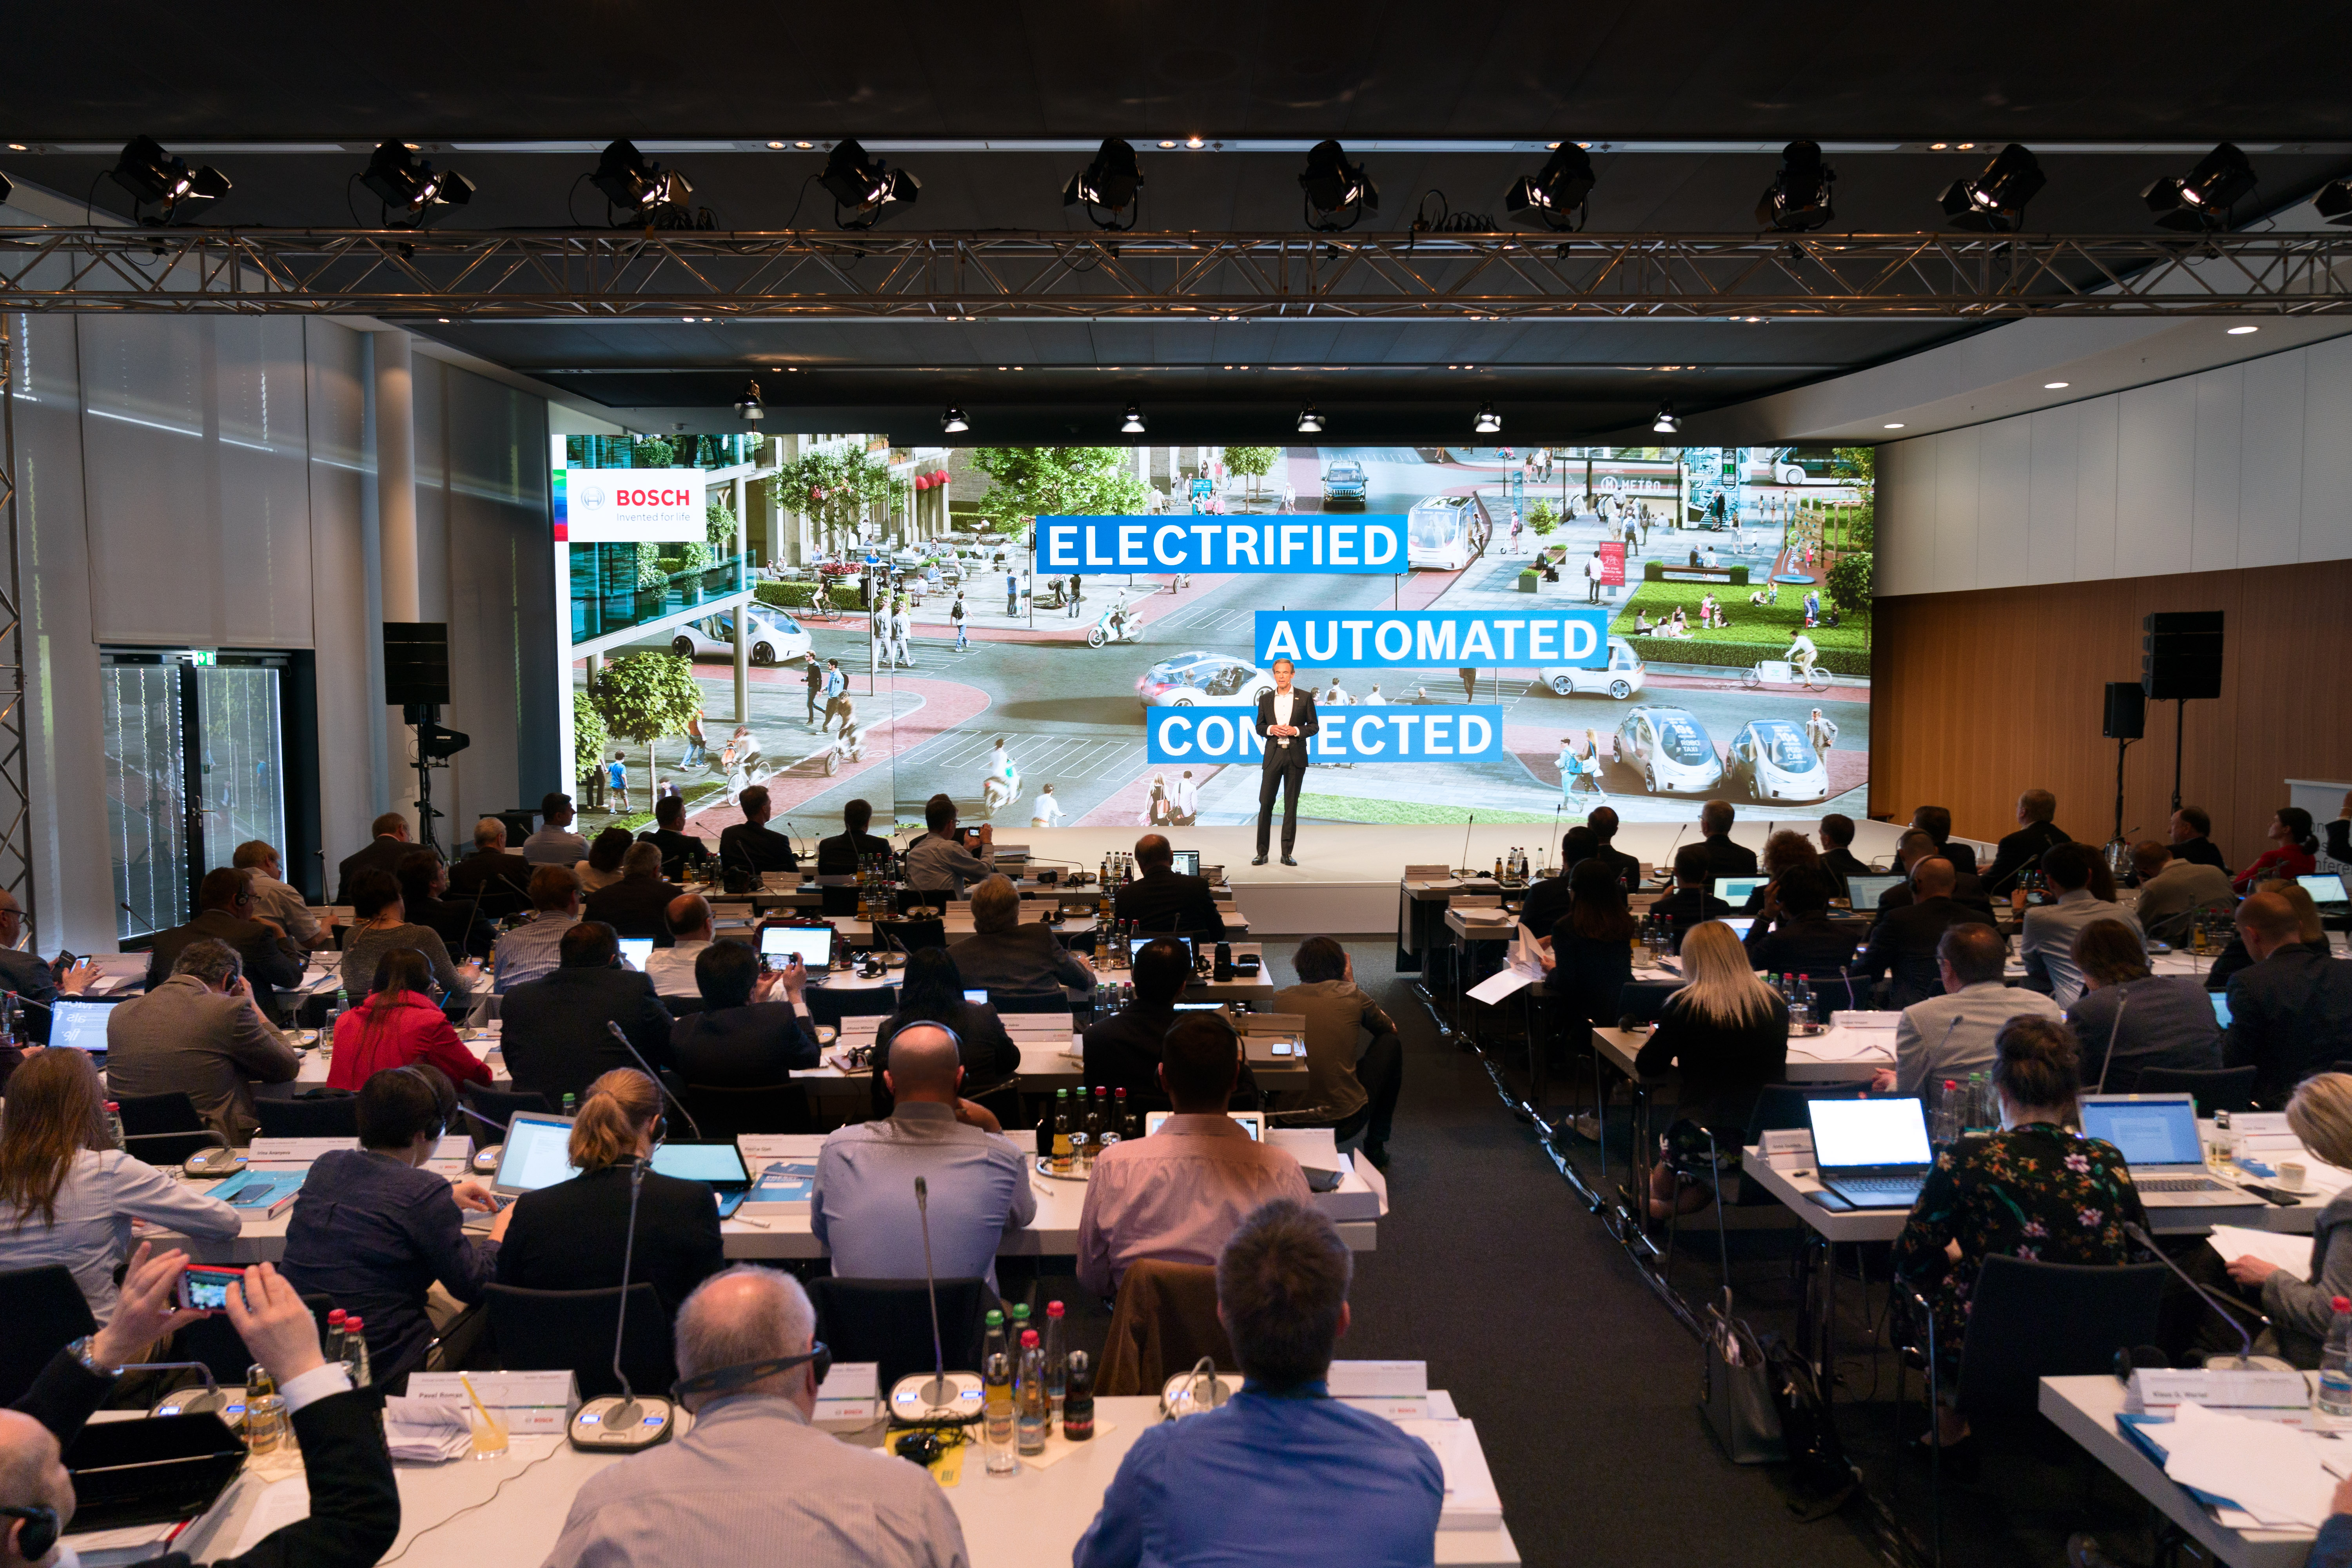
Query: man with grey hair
(1300, 1476)
(1955, 1034)
(754, 1481)
(1006, 955)
(2021, 851)
(273, 899)
(497, 878)
(671, 968)
(200, 1034)
(1725, 856)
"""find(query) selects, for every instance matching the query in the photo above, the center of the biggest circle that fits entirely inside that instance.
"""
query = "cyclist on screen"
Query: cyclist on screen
(1801, 653)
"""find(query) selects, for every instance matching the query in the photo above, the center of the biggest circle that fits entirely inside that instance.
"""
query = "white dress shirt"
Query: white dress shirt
(1281, 705)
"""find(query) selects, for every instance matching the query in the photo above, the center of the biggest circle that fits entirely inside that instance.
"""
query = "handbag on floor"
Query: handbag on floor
(1738, 1399)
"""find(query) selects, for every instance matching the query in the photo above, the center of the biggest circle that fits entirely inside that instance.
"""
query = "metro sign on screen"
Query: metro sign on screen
(629, 506)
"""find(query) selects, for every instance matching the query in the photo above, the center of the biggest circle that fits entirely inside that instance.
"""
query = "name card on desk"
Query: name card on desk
(298, 1151)
(850, 1397)
(1396, 1389)
(2242, 1393)
(529, 1401)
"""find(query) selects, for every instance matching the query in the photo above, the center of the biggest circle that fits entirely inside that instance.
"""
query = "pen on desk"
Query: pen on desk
(747, 1219)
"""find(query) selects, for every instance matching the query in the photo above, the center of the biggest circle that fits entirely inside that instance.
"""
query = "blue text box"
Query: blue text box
(1441, 732)
(1395, 639)
(1372, 544)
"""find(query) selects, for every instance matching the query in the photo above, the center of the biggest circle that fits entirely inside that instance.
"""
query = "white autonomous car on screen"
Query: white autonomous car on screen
(1773, 761)
(1202, 679)
(1620, 679)
(1672, 750)
(774, 637)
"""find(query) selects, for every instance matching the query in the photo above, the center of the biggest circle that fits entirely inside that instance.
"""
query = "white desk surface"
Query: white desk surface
(1009, 1521)
(1834, 1056)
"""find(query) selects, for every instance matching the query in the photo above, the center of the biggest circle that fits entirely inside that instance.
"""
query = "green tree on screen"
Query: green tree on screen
(1250, 462)
(1056, 481)
(644, 697)
(589, 736)
(839, 489)
(1850, 582)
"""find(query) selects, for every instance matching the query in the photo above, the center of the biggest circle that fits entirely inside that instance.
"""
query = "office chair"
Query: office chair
(724, 1112)
(2222, 1089)
(149, 1113)
(332, 1115)
(551, 1331)
(45, 1313)
(497, 1107)
(906, 935)
(889, 1321)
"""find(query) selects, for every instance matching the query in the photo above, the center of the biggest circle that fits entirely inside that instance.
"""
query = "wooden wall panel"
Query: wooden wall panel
(1974, 697)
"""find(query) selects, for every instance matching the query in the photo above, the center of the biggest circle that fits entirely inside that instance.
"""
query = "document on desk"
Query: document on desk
(785, 1182)
(1523, 968)
(1841, 1044)
(2292, 1253)
(1471, 1500)
(2274, 1473)
(281, 1503)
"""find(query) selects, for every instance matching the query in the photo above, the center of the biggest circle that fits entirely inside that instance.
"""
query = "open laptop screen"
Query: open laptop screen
(1188, 862)
(813, 943)
(2150, 1129)
(2327, 887)
(538, 1154)
(636, 949)
(1864, 892)
(1735, 889)
(1849, 1132)
(81, 1025)
(1252, 1123)
(717, 1162)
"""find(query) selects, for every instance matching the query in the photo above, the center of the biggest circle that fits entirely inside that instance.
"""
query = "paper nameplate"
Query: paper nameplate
(529, 1401)
(850, 1397)
(1374, 1379)
(760, 1150)
(2234, 1391)
(295, 1150)
(1788, 1140)
(1846, 1020)
(2260, 1125)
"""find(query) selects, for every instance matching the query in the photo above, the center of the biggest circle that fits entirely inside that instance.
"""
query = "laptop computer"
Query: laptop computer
(1253, 1122)
(537, 1153)
(81, 1025)
(812, 944)
(2220, 1000)
(1864, 892)
(1136, 945)
(1873, 1153)
(720, 1165)
(2157, 1135)
(1188, 862)
(2325, 888)
(636, 949)
(1735, 889)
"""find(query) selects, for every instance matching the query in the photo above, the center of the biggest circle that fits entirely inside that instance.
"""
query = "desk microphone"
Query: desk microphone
(2247, 1361)
(944, 1398)
(622, 1036)
(623, 1424)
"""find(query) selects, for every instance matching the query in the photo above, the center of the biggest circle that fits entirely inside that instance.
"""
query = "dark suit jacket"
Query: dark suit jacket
(356, 1514)
(838, 856)
(1170, 900)
(552, 1029)
(1547, 902)
(758, 845)
(677, 848)
(988, 1053)
(1302, 714)
(1629, 870)
(1968, 890)
(1726, 858)
(1125, 1050)
(2020, 851)
(1685, 908)
(570, 1236)
(1903, 944)
(635, 905)
(2290, 1016)
(1963, 857)
(502, 879)
(1846, 864)
(384, 853)
(2200, 851)
(461, 930)
(270, 961)
(743, 1047)
(1815, 946)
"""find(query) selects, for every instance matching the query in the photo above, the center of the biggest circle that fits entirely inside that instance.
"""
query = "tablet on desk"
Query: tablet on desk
(537, 1153)
(81, 1025)
(812, 946)
(718, 1165)
(637, 950)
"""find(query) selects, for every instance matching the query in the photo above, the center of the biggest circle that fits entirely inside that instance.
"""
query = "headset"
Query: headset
(40, 1531)
(725, 1379)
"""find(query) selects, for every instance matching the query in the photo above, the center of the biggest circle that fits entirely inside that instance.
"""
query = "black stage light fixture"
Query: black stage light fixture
(1488, 421)
(1798, 199)
(1336, 189)
(415, 191)
(954, 422)
(1133, 423)
(864, 188)
(1559, 194)
(749, 406)
(1667, 423)
(1311, 421)
(636, 187)
(2333, 202)
(2202, 198)
(1994, 201)
(152, 174)
(1111, 183)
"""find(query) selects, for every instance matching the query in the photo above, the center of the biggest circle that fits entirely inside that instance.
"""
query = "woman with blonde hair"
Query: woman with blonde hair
(2301, 1311)
(1728, 1033)
(570, 1235)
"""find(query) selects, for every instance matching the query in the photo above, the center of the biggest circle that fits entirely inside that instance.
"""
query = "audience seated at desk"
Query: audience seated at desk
(374, 1231)
(1179, 1193)
(1903, 944)
(270, 959)
(752, 845)
(864, 1209)
(400, 1024)
(555, 844)
(2311, 933)
(383, 854)
(32, 979)
(938, 864)
(2033, 1189)
(497, 880)
(638, 904)
(745, 1037)
(601, 867)
(423, 879)
(1724, 857)
(353, 1510)
(66, 1199)
(2302, 1312)
(200, 1034)
(1726, 1033)
(570, 1235)
(1351, 1087)
(1006, 955)
(1784, 851)
(1281, 1472)
(2086, 892)
(2290, 1012)
(1125, 1050)
(1837, 852)
(754, 1481)
(2129, 1019)
(273, 899)
(2294, 852)
(1915, 849)
(679, 850)
(1954, 1034)
(932, 992)
(2191, 829)
(1692, 900)
(1602, 821)
(554, 1031)
(1793, 934)
(2172, 891)
(380, 924)
(2021, 851)
(535, 947)
(691, 929)
(845, 852)
(1588, 953)
(1935, 822)
(1162, 898)
(1550, 898)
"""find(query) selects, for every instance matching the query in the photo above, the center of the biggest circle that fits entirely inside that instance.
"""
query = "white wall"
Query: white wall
(2246, 465)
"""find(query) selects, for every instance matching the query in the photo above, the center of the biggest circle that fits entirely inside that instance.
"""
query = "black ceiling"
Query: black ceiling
(1613, 73)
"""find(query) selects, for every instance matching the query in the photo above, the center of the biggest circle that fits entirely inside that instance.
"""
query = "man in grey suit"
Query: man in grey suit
(1285, 721)
(2172, 890)
(200, 1034)
(1952, 1034)
(268, 957)
(754, 1476)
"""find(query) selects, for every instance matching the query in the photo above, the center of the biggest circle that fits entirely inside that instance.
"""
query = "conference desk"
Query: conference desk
(516, 1505)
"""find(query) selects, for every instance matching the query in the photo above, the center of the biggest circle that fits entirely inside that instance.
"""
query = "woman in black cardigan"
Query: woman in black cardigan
(1591, 946)
(1793, 933)
(1728, 1034)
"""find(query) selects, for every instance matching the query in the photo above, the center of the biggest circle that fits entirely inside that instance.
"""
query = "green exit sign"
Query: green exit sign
(203, 657)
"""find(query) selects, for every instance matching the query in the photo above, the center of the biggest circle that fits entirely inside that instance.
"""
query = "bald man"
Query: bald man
(671, 968)
(1163, 900)
(2291, 1009)
(864, 1206)
(1903, 943)
(754, 1474)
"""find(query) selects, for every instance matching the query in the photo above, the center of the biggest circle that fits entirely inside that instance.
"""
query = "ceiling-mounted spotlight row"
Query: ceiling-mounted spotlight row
(954, 422)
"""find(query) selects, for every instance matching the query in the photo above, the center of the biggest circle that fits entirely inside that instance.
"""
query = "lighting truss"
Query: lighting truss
(15, 794)
(636, 275)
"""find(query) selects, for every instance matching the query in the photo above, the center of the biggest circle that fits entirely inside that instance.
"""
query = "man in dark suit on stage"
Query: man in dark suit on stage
(1286, 720)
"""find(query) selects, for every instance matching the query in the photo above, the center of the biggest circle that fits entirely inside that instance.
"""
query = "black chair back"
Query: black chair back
(907, 936)
(683, 1007)
(1780, 1107)
(726, 1114)
(550, 1330)
(837, 900)
(1054, 1001)
(45, 1313)
(335, 1115)
(168, 1149)
(497, 1105)
(145, 1113)
(1640, 999)
(2030, 1319)
(2222, 1089)
(889, 1321)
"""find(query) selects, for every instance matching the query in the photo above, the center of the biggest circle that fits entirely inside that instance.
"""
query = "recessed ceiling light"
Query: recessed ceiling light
(2055, 386)
(1968, 146)
(1551, 146)
(1938, 146)
(2241, 332)
(445, 321)
(1168, 143)
(15, 146)
(1894, 426)
(1194, 142)
(804, 146)
(775, 146)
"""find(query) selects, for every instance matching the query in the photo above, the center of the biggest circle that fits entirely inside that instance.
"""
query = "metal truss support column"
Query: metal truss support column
(16, 793)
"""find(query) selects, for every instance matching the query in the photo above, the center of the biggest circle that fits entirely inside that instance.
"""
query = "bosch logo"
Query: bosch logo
(591, 496)
(653, 498)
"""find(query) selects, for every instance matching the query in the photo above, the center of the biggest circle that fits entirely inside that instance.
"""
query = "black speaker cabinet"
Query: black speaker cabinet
(415, 662)
(2181, 655)
(2126, 717)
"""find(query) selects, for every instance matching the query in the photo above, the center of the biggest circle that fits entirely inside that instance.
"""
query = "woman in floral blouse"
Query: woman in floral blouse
(2035, 1189)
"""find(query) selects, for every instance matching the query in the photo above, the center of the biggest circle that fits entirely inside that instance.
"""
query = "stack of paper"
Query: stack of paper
(1471, 1500)
(2292, 1253)
(426, 1431)
(2274, 1474)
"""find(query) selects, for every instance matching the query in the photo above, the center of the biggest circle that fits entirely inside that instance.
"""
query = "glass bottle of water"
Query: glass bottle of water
(2336, 1362)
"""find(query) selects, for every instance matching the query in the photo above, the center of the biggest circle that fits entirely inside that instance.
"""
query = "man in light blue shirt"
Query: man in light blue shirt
(1282, 1472)
(863, 1207)
(555, 844)
(531, 948)
(2047, 946)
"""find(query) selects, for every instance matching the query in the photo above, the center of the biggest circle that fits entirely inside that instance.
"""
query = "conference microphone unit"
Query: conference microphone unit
(622, 1035)
(2246, 1360)
(622, 1423)
(945, 1398)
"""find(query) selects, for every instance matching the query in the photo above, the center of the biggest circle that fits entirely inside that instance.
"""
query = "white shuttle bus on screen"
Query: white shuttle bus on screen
(1445, 533)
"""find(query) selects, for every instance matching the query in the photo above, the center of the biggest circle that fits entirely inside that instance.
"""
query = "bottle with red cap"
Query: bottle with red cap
(338, 1327)
(1031, 1413)
(355, 1352)
(2336, 1362)
(1055, 1372)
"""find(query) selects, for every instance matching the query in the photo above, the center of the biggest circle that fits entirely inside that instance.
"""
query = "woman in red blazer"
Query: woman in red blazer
(2295, 856)
(399, 1026)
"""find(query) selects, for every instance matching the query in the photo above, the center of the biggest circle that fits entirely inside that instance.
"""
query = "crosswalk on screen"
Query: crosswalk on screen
(1080, 636)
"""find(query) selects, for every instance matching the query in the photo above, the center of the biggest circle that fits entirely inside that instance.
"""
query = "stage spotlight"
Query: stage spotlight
(1133, 423)
(1667, 423)
(1798, 199)
(415, 191)
(2201, 199)
(2334, 202)
(152, 174)
(1336, 189)
(863, 188)
(1311, 421)
(1557, 193)
(1994, 201)
(954, 422)
(644, 189)
(1488, 421)
(749, 406)
(1111, 183)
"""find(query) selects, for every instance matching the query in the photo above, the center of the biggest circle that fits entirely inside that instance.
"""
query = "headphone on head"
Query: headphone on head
(40, 1531)
(725, 1379)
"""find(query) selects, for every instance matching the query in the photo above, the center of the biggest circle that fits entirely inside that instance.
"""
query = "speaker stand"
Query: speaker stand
(2121, 747)
(2180, 729)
